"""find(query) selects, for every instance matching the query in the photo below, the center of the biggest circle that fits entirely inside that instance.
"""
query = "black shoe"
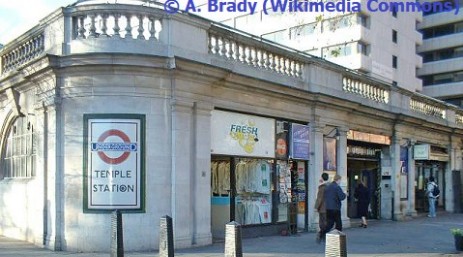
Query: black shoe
(364, 225)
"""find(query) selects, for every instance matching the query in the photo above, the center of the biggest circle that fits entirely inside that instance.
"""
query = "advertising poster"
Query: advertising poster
(113, 170)
(300, 141)
(329, 154)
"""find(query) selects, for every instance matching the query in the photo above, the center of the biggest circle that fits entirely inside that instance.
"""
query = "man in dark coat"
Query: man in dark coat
(320, 207)
(333, 197)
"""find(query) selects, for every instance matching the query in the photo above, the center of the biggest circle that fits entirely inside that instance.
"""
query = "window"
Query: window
(394, 83)
(442, 78)
(302, 31)
(363, 20)
(277, 36)
(363, 48)
(20, 151)
(394, 62)
(394, 36)
(338, 50)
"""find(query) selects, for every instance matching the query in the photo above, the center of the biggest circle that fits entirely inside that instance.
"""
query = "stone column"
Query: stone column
(395, 164)
(315, 171)
(411, 211)
(341, 162)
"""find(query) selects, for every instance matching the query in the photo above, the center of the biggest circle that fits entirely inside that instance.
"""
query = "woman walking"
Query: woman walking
(362, 194)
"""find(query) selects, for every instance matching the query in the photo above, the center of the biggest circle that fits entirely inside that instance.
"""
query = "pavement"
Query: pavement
(420, 236)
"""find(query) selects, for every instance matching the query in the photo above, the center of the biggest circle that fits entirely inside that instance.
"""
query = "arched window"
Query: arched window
(18, 159)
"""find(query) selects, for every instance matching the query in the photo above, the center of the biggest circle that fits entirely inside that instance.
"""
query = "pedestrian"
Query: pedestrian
(333, 197)
(362, 194)
(430, 191)
(321, 207)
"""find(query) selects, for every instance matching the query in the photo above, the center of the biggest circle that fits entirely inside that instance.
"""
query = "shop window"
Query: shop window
(253, 191)
(20, 152)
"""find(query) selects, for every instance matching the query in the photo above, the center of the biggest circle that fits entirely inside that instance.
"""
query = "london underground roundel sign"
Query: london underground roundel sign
(125, 147)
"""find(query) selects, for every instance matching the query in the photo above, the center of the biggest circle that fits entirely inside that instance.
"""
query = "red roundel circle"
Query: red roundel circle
(117, 133)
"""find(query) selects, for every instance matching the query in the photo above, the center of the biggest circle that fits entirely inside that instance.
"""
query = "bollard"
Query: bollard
(335, 244)
(233, 246)
(166, 237)
(117, 241)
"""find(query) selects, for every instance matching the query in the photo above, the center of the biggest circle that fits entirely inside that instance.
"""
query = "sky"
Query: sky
(18, 16)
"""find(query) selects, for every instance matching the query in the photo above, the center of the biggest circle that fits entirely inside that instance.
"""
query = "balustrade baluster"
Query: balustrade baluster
(231, 53)
(81, 29)
(267, 60)
(116, 26)
(290, 68)
(153, 31)
(93, 33)
(249, 59)
(237, 52)
(243, 53)
(104, 25)
(140, 29)
(128, 27)
(223, 50)
(216, 47)
(261, 59)
(284, 68)
(209, 44)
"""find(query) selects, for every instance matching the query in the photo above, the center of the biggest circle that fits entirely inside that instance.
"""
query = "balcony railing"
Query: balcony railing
(366, 90)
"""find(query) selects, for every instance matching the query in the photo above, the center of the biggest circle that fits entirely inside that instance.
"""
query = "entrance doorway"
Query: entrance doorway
(425, 169)
(365, 170)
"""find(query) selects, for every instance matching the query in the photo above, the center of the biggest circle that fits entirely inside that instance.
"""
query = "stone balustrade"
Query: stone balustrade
(366, 90)
(228, 46)
(459, 118)
(23, 53)
(117, 23)
(427, 107)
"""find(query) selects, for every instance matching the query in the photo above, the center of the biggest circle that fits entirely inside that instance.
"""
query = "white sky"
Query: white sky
(18, 16)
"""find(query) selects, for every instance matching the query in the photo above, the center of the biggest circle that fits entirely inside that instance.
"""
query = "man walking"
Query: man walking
(333, 197)
(433, 194)
(321, 207)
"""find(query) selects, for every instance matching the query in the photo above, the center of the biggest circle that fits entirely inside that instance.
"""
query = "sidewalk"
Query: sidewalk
(420, 236)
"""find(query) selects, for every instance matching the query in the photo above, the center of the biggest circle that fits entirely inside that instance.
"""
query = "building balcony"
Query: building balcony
(438, 19)
(443, 42)
(443, 91)
(443, 66)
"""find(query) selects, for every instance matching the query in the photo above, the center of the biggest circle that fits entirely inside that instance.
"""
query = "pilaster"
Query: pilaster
(341, 162)
(315, 170)
(182, 161)
(411, 211)
(396, 176)
(201, 178)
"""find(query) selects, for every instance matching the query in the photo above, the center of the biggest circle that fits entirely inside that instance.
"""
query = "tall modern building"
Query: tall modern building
(380, 44)
(442, 51)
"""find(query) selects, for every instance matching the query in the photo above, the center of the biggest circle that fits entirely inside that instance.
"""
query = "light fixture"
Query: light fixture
(334, 133)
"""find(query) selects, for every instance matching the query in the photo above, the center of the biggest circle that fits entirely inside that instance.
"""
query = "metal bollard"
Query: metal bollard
(117, 240)
(233, 246)
(335, 244)
(166, 237)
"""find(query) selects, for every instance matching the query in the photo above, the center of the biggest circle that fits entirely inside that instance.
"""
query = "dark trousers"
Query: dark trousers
(321, 224)
(332, 217)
